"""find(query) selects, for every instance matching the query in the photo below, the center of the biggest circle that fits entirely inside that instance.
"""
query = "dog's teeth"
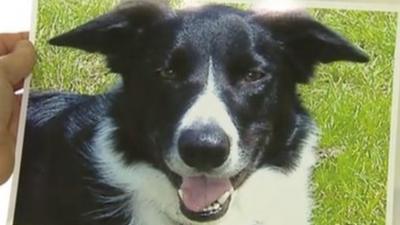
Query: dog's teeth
(216, 206)
(209, 208)
(224, 197)
(180, 192)
(213, 207)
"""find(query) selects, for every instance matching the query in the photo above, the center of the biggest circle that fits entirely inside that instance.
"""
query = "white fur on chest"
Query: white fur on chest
(268, 197)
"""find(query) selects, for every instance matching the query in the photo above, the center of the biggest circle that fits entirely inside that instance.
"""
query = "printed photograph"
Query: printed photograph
(146, 112)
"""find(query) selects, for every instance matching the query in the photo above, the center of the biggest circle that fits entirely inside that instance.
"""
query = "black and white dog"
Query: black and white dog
(206, 126)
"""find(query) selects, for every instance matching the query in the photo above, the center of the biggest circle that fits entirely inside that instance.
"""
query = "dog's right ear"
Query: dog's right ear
(107, 33)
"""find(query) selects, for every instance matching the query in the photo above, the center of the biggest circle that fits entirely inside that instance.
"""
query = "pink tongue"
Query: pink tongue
(200, 192)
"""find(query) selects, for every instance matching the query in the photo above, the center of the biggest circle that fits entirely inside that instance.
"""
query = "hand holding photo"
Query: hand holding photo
(17, 58)
(206, 115)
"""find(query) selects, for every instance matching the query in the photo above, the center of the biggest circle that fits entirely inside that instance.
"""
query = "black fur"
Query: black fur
(162, 57)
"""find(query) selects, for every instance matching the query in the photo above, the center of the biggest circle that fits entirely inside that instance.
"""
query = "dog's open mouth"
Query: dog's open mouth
(205, 199)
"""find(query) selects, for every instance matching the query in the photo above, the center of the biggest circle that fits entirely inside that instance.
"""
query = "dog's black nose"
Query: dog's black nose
(204, 148)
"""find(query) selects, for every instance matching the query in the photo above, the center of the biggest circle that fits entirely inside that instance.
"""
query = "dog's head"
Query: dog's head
(209, 94)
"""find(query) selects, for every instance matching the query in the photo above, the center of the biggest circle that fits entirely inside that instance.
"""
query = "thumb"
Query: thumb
(19, 63)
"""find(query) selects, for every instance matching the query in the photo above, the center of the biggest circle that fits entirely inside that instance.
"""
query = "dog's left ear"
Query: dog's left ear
(107, 33)
(308, 42)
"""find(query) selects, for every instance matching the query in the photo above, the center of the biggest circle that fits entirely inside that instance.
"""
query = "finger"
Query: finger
(8, 41)
(6, 100)
(7, 158)
(7, 140)
(19, 63)
(13, 126)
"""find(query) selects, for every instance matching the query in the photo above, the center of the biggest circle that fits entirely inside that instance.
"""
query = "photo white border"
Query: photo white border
(22, 121)
(393, 182)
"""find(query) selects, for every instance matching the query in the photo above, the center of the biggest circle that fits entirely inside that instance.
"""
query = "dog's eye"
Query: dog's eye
(254, 75)
(167, 74)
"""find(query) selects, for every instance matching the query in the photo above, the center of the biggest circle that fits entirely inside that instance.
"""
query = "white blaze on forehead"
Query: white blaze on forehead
(209, 108)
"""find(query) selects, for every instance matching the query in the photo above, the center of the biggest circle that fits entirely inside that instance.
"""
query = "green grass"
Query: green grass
(350, 102)
(61, 68)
